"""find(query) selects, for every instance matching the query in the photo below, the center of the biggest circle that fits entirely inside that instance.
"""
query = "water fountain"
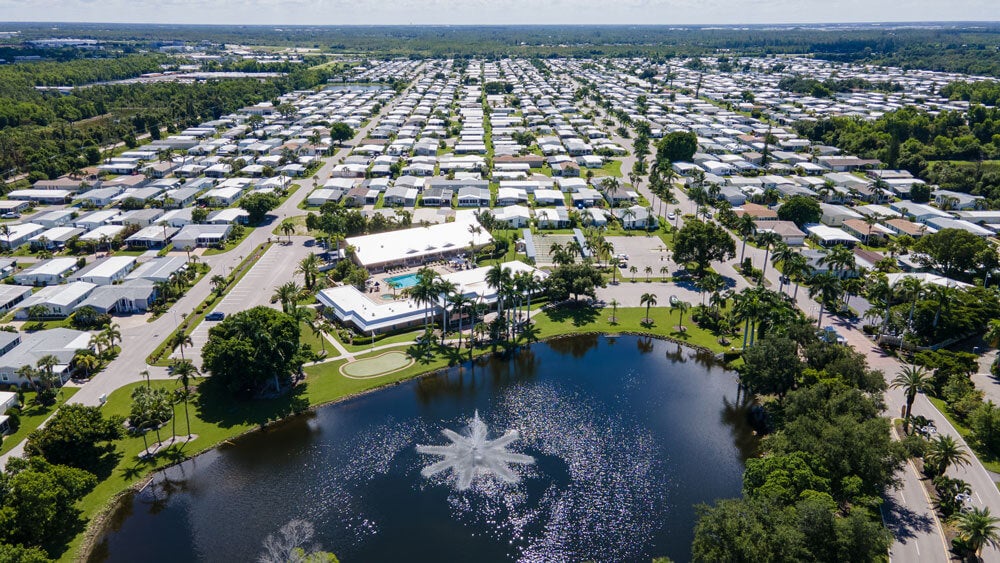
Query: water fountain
(472, 455)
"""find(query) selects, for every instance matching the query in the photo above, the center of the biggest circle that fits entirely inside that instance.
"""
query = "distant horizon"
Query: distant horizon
(900, 23)
(667, 13)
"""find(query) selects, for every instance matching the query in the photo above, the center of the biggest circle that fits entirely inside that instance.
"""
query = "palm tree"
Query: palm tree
(943, 452)
(767, 239)
(425, 291)
(459, 303)
(151, 408)
(664, 270)
(99, 342)
(287, 294)
(647, 299)
(977, 529)
(5, 231)
(827, 287)
(614, 310)
(681, 307)
(219, 284)
(87, 362)
(797, 268)
(940, 294)
(287, 228)
(649, 272)
(45, 364)
(633, 270)
(781, 255)
(179, 340)
(745, 226)
(184, 370)
(112, 333)
(912, 380)
(28, 373)
(913, 289)
(309, 268)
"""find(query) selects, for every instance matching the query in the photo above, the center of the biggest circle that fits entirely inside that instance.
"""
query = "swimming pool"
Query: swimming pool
(403, 281)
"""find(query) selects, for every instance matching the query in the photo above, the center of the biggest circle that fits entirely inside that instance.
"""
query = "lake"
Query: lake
(627, 433)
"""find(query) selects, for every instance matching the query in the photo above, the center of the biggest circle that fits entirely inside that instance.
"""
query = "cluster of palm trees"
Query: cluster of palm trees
(513, 289)
(104, 341)
(174, 286)
(152, 407)
(42, 378)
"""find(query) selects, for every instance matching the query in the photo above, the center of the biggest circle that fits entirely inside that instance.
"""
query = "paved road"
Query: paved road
(908, 510)
(139, 341)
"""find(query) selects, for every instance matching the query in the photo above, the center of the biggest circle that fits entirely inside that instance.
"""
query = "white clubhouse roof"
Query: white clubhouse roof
(413, 244)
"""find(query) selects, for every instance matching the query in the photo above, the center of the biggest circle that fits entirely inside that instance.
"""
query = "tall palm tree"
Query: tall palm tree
(912, 289)
(288, 295)
(287, 228)
(746, 227)
(219, 284)
(941, 295)
(647, 299)
(113, 333)
(442, 289)
(943, 452)
(184, 370)
(179, 340)
(912, 380)
(425, 292)
(614, 310)
(827, 287)
(797, 268)
(46, 365)
(768, 239)
(779, 257)
(459, 303)
(839, 259)
(28, 373)
(977, 529)
(681, 307)
(309, 268)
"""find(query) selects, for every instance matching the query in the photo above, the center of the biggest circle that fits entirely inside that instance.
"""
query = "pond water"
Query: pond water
(627, 435)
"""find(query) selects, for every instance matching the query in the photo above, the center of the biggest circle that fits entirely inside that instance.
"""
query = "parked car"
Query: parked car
(215, 316)
(11, 215)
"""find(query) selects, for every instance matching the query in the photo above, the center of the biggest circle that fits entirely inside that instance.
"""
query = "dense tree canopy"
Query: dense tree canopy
(677, 146)
(253, 350)
(258, 204)
(956, 252)
(701, 243)
(800, 210)
(574, 280)
(77, 435)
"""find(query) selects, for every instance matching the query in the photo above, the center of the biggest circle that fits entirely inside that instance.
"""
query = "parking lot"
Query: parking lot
(276, 267)
(643, 251)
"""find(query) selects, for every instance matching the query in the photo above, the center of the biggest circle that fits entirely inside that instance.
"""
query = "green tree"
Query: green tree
(977, 529)
(701, 243)
(38, 503)
(953, 252)
(258, 204)
(251, 350)
(747, 530)
(762, 374)
(340, 132)
(573, 280)
(77, 436)
(184, 371)
(151, 408)
(784, 478)
(912, 380)
(942, 453)
(647, 299)
(677, 146)
(800, 209)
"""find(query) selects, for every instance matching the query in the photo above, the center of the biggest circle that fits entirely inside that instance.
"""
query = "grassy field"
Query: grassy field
(34, 415)
(627, 319)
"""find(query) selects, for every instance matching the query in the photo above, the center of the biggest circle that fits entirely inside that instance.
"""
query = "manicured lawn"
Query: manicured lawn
(33, 415)
(573, 320)
(409, 336)
(610, 168)
(230, 243)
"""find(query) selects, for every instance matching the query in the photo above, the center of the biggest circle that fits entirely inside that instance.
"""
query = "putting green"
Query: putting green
(377, 366)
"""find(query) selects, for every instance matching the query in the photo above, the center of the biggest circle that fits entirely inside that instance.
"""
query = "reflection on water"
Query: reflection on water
(627, 437)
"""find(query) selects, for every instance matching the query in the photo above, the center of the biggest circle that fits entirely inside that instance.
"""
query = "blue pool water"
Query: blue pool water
(404, 281)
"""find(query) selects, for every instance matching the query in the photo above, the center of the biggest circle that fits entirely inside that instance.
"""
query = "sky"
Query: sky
(484, 12)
